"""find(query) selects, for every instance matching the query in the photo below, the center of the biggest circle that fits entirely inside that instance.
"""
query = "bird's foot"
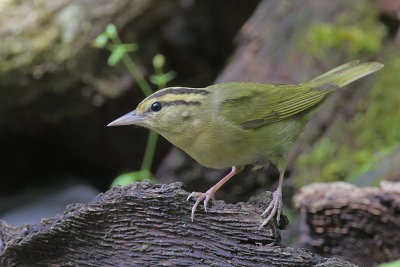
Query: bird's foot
(274, 207)
(200, 197)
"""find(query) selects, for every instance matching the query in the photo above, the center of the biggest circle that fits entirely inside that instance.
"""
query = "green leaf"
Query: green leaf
(100, 41)
(111, 30)
(129, 47)
(156, 79)
(162, 79)
(158, 61)
(170, 76)
(116, 55)
(131, 177)
(118, 51)
(391, 264)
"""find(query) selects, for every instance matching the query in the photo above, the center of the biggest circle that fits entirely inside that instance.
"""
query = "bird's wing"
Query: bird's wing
(253, 105)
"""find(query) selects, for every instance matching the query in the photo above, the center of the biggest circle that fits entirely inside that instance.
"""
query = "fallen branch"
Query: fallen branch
(146, 224)
(360, 225)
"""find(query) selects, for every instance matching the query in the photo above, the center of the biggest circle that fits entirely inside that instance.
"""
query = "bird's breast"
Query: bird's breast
(221, 145)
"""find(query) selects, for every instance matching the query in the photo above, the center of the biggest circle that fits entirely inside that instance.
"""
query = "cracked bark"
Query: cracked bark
(146, 224)
(357, 224)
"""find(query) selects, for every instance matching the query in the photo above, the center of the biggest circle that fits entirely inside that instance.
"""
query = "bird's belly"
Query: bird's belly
(228, 149)
(220, 156)
(232, 146)
(247, 147)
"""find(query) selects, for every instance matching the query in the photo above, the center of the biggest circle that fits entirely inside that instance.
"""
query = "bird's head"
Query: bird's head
(168, 111)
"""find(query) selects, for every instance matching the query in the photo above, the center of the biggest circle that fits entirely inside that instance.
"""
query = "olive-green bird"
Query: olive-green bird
(237, 123)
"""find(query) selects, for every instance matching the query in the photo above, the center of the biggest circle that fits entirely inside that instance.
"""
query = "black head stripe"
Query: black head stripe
(181, 102)
(179, 91)
(176, 103)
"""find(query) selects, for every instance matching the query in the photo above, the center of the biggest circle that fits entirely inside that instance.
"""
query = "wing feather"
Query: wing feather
(253, 105)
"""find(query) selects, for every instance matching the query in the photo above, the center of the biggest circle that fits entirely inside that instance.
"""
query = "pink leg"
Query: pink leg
(275, 206)
(210, 193)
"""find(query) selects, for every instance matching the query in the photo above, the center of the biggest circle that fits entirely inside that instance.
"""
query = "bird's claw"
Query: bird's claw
(194, 194)
(274, 207)
(201, 196)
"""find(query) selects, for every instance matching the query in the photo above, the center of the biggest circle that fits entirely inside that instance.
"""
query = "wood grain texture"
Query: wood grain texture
(147, 225)
(357, 224)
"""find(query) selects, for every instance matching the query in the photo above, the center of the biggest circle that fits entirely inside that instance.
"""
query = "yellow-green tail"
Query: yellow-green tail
(345, 74)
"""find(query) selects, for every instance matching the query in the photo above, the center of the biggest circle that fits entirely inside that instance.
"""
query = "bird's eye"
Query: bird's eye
(156, 106)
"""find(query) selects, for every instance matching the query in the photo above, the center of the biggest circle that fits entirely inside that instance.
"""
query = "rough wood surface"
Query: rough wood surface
(360, 225)
(146, 224)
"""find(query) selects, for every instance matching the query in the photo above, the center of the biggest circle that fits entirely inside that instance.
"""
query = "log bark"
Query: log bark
(147, 224)
(359, 225)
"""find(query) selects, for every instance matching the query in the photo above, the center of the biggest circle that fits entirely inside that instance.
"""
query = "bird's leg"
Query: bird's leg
(210, 193)
(275, 206)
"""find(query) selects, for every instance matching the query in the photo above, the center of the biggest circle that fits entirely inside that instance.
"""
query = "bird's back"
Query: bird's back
(245, 123)
(254, 122)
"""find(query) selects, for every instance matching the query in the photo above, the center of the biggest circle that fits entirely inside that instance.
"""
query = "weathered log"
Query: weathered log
(146, 224)
(359, 225)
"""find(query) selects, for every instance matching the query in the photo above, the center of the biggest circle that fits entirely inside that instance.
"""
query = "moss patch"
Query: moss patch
(357, 32)
(355, 145)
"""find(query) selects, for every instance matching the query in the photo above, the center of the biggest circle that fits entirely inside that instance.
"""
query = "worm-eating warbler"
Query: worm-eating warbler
(237, 123)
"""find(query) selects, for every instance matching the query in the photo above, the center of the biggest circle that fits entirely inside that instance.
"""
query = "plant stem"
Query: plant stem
(150, 149)
(137, 75)
(132, 68)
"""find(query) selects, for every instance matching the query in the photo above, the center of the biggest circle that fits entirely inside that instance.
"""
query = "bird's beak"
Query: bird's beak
(128, 119)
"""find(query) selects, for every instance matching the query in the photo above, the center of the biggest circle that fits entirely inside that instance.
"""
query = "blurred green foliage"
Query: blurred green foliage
(354, 146)
(357, 33)
(357, 145)
(391, 264)
(356, 40)
(119, 52)
(160, 78)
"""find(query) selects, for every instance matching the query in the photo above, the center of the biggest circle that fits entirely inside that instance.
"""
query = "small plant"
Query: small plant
(110, 40)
